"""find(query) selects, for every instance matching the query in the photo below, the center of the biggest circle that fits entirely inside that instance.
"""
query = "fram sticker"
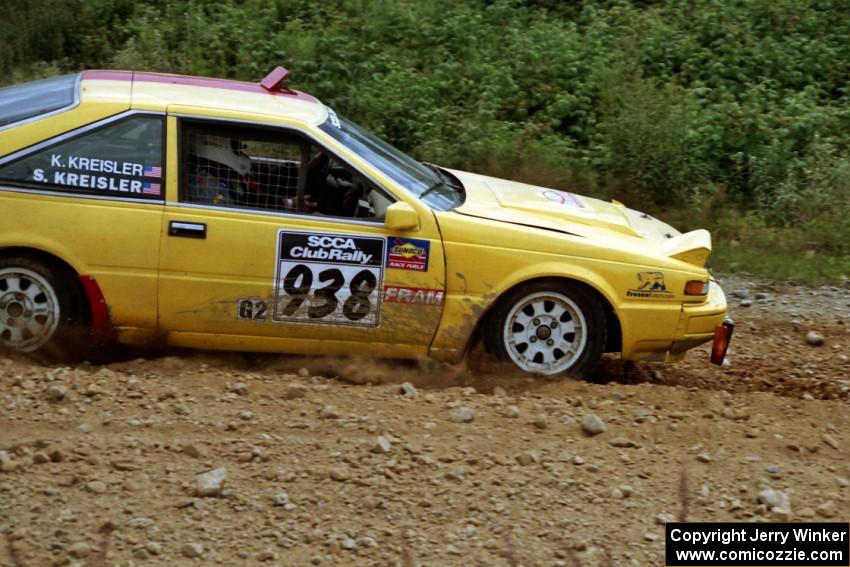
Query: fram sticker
(562, 198)
(413, 295)
(650, 284)
(408, 254)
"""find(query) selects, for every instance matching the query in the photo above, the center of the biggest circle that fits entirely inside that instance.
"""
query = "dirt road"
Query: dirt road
(335, 463)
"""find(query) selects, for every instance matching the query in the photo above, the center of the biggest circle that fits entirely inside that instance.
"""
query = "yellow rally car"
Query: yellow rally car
(194, 212)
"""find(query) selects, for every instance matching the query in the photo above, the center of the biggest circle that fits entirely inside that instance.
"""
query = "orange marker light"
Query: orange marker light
(722, 338)
(697, 287)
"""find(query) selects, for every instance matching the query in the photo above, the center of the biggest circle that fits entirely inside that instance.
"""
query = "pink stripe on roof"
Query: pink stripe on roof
(191, 81)
(108, 75)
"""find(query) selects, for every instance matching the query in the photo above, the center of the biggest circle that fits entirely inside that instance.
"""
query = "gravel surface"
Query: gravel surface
(229, 459)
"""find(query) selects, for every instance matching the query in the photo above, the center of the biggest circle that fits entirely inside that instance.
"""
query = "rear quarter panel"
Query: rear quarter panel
(116, 242)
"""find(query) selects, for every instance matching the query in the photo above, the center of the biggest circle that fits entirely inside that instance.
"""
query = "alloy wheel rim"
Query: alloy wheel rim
(545, 333)
(29, 309)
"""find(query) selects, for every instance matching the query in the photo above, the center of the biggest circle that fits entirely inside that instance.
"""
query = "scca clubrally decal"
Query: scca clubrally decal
(333, 279)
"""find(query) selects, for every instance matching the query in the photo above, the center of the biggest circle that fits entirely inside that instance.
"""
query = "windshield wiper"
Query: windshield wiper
(445, 178)
(431, 189)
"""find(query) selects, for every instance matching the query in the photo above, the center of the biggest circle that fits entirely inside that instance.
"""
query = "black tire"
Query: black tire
(536, 345)
(42, 308)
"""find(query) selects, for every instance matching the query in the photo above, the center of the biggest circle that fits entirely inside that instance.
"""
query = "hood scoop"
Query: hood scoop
(520, 203)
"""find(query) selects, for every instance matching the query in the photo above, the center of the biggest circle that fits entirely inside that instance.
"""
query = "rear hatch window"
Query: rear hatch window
(29, 100)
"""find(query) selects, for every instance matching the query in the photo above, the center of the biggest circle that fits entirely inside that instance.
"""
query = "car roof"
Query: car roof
(217, 97)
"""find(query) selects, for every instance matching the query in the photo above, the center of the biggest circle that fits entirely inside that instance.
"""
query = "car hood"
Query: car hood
(510, 201)
(551, 209)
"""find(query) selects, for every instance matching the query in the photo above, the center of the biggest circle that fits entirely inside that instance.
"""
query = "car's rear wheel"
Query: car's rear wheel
(549, 328)
(40, 309)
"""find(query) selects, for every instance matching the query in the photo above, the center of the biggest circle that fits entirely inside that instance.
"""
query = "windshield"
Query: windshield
(426, 182)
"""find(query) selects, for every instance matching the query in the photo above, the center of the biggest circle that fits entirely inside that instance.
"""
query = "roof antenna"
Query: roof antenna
(273, 82)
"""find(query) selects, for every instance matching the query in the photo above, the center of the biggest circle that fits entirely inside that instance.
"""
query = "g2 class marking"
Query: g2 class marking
(251, 309)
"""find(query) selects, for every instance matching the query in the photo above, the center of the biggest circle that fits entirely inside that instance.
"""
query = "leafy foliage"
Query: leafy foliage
(671, 101)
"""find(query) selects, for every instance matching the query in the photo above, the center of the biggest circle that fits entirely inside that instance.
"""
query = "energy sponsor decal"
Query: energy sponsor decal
(98, 175)
(408, 254)
(331, 279)
(413, 295)
(756, 544)
(562, 198)
(650, 284)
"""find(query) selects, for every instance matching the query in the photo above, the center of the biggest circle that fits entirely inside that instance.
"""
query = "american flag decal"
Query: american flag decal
(150, 188)
(153, 171)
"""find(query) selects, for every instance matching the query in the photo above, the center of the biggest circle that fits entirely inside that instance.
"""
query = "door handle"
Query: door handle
(187, 229)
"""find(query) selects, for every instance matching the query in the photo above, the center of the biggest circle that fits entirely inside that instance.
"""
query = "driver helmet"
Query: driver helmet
(222, 151)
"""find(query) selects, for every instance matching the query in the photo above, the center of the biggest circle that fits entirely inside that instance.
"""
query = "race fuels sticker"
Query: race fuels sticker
(408, 254)
(331, 279)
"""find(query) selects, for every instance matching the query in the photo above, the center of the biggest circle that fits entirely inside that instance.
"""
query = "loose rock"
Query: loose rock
(592, 424)
(211, 482)
(294, 392)
(6, 464)
(96, 487)
(382, 445)
(57, 393)
(526, 458)
(814, 338)
(340, 474)
(192, 550)
(79, 549)
(408, 390)
(773, 498)
(462, 414)
(329, 412)
(830, 440)
(827, 509)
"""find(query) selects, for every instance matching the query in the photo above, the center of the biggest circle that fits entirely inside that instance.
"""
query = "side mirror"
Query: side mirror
(401, 216)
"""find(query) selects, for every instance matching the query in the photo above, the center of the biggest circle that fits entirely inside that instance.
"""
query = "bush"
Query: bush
(670, 101)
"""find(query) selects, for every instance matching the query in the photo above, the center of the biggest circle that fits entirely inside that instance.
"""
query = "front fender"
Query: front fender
(464, 310)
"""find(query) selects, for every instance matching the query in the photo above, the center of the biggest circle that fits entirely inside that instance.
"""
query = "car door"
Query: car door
(247, 262)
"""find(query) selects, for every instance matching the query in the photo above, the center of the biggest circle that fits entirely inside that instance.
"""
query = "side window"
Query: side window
(120, 159)
(263, 169)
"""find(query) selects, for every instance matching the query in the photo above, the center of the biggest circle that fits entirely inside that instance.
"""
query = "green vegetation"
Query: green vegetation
(730, 114)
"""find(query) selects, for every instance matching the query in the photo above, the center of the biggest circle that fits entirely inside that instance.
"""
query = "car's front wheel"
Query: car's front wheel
(549, 328)
(39, 306)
